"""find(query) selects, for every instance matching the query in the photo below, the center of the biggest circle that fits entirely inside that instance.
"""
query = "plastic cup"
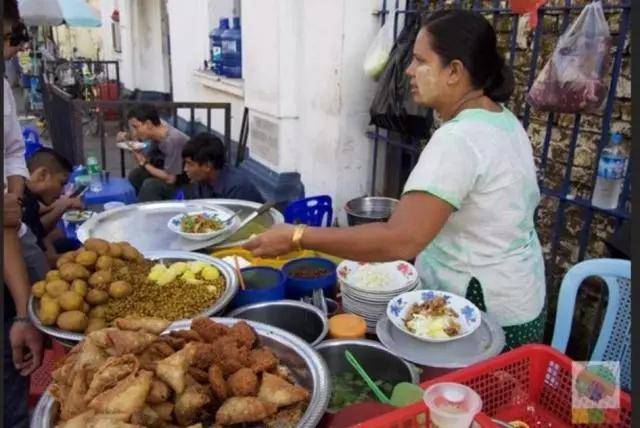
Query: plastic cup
(452, 405)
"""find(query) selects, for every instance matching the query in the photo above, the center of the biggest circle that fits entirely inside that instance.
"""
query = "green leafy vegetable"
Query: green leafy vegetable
(349, 388)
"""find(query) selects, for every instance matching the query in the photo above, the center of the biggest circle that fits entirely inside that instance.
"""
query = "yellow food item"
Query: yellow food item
(98, 311)
(48, 311)
(188, 275)
(97, 297)
(115, 250)
(196, 266)
(47, 297)
(71, 271)
(104, 262)
(156, 271)
(73, 321)
(210, 273)
(68, 257)
(178, 267)
(130, 253)
(70, 301)
(119, 289)
(99, 246)
(166, 277)
(86, 258)
(347, 326)
(39, 288)
(57, 287)
(52, 275)
(80, 287)
(100, 277)
(95, 324)
(86, 307)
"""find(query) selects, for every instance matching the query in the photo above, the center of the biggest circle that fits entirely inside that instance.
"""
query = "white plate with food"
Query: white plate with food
(201, 225)
(77, 216)
(377, 278)
(434, 316)
(131, 146)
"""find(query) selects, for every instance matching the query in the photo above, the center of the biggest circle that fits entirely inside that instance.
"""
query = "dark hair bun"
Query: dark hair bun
(501, 84)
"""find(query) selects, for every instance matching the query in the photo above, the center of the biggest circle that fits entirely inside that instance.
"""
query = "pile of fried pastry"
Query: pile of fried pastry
(212, 374)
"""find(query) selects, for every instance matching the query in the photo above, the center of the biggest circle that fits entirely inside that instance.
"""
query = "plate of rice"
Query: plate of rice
(377, 278)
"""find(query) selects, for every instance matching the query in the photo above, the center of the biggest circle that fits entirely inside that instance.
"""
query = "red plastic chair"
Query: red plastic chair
(41, 378)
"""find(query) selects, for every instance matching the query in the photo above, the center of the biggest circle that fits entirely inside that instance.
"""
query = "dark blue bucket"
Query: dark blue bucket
(262, 284)
(298, 287)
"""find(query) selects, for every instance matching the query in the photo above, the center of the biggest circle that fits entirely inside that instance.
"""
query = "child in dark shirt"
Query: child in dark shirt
(43, 202)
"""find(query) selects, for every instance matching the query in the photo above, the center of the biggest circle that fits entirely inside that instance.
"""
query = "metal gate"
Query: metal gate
(567, 147)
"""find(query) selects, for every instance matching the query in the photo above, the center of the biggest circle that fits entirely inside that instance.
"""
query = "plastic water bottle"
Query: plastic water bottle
(215, 43)
(611, 172)
(232, 51)
(93, 169)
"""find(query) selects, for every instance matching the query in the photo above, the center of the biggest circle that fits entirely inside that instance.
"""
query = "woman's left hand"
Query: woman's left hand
(274, 242)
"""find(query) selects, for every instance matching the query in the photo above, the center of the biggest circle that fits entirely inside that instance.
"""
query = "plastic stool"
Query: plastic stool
(310, 211)
(41, 378)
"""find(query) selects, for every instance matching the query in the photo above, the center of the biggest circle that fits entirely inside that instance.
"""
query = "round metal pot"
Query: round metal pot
(307, 367)
(299, 318)
(369, 209)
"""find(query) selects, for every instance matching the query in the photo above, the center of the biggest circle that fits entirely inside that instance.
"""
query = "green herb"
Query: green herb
(349, 388)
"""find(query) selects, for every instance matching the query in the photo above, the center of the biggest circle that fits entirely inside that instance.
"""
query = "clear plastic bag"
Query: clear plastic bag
(575, 78)
(378, 53)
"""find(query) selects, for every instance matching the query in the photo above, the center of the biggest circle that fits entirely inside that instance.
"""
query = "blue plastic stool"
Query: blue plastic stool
(310, 211)
(31, 141)
(614, 340)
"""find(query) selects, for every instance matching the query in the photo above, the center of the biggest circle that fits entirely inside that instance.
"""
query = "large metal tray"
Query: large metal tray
(144, 225)
(486, 342)
(306, 365)
(231, 288)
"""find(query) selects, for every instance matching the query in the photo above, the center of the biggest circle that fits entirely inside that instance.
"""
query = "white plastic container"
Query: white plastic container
(452, 405)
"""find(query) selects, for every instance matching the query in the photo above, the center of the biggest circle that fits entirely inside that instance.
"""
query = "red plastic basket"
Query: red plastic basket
(41, 378)
(531, 384)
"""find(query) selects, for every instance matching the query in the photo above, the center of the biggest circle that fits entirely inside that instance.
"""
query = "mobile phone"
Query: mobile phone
(79, 191)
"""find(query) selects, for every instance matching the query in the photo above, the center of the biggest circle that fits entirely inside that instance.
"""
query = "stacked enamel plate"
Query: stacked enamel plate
(367, 288)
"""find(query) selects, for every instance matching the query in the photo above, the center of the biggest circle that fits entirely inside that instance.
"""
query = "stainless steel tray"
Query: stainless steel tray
(486, 342)
(305, 363)
(144, 225)
(68, 338)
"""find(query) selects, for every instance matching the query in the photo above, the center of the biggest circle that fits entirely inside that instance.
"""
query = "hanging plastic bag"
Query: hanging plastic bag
(575, 78)
(378, 53)
(393, 107)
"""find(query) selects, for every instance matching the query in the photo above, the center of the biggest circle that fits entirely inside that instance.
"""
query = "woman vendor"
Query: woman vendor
(467, 209)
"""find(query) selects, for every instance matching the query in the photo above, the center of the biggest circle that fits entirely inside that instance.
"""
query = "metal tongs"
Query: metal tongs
(317, 299)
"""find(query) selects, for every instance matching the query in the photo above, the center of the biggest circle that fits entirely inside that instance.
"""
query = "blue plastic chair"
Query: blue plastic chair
(310, 211)
(614, 341)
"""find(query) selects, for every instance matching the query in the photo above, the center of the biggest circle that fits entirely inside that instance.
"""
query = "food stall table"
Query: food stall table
(114, 189)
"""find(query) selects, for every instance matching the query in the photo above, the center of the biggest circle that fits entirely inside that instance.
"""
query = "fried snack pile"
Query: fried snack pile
(103, 281)
(210, 375)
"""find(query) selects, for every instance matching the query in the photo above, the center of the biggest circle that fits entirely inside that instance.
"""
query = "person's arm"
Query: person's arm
(156, 172)
(51, 218)
(15, 168)
(417, 219)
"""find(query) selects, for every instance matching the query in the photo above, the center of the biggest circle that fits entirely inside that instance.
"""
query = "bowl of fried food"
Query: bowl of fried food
(102, 281)
(201, 225)
(201, 373)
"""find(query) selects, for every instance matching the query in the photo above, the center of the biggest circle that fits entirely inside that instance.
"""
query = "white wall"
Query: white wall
(142, 62)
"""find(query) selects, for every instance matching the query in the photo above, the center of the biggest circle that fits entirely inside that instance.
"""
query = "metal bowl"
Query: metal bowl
(369, 209)
(69, 338)
(308, 369)
(377, 361)
(299, 318)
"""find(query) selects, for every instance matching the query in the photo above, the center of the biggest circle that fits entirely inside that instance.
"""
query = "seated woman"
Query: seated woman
(204, 164)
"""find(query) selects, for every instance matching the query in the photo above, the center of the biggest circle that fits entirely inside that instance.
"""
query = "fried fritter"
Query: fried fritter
(217, 382)
(204, 356)
(279, 392)
(158, 392)
(198, 375)
(230, 356)
(243, 383)
(243, 332)
(208, 329)
(188, 335)
(262, 360)
(190, 402)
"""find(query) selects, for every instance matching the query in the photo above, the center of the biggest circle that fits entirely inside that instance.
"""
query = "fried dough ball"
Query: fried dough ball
(243, 332)
(115, 250)
(71, 271)
(100, 246)
(208, 329)
(86, 258)
(262, 359)
(52, 275)
(243, 383)
(230, 356)
(39, 288)
(104, 263)
(204, 356)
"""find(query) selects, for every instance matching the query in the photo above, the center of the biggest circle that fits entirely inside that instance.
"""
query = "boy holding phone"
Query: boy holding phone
(44, 202)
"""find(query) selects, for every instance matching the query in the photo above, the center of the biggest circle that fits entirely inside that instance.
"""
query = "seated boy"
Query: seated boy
(204, 164)
(43, 202)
